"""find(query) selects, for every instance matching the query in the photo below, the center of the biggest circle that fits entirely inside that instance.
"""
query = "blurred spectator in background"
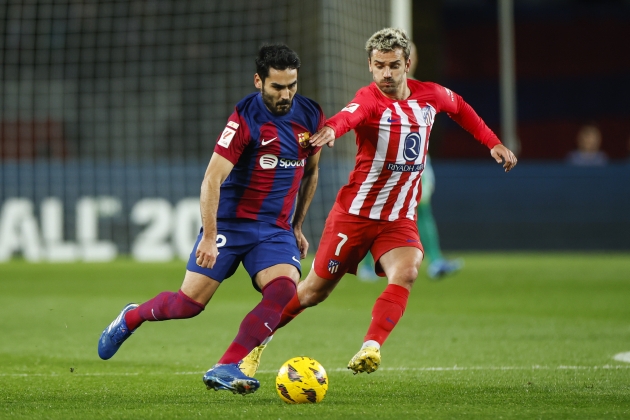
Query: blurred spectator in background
(588, 153)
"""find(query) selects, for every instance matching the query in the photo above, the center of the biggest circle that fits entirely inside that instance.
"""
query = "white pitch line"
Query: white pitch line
(464, 368)
(386, 369)
(623, 357)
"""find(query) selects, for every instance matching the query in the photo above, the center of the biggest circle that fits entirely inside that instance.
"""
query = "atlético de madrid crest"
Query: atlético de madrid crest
(333, 266)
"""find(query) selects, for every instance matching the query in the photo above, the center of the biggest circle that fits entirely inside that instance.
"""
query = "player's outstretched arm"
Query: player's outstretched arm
(218, 170)
(324, 136)
(304, 198)
(502, 154)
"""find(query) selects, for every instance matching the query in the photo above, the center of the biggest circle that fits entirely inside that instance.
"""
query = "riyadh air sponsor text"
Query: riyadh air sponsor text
(405, 168)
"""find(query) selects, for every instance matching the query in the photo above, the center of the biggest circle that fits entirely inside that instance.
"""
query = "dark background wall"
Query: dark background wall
(572, 68)
(544, 206)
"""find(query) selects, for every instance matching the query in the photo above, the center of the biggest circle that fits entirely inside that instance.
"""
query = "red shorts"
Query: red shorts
(348, 238)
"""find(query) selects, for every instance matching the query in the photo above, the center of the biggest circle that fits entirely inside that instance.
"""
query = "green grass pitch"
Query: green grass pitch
(512, 336)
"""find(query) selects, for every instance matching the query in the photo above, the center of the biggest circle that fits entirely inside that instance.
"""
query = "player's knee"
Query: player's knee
(309, 299)
(314, 290)
(405, 277)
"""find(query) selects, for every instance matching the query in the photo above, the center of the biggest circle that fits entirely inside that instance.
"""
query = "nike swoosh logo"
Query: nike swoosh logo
(392, 120)
(266, 142)
(389, 320)
(295, 259)
(267, 325)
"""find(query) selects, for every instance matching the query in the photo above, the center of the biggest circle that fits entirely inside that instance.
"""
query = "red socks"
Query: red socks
(166, 305)
(387, 311)
(279, 305)
(262, 320)
(290, 311)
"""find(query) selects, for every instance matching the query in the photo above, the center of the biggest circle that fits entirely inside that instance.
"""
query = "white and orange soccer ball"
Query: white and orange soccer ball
(302, 380)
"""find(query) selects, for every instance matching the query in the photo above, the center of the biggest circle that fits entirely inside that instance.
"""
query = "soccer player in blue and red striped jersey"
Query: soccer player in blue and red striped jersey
(254, 197)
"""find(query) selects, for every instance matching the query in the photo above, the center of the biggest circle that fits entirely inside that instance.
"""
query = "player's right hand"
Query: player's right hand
(324, 136)
(206, 252)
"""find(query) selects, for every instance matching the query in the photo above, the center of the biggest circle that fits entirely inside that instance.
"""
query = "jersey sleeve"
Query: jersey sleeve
(357, 111)
(463, 114)
(234, 138)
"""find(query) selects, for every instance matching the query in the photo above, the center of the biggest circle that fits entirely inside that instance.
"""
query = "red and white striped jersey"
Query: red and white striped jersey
(393, 138)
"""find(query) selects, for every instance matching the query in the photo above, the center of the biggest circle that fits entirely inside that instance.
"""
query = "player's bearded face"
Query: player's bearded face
(388, 70)
(278, 90)
(278, 106)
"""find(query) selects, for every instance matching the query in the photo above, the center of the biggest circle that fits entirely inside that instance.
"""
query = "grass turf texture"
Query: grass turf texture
(511, 336)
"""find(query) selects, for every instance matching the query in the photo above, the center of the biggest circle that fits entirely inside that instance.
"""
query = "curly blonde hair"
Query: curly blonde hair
(388, 39)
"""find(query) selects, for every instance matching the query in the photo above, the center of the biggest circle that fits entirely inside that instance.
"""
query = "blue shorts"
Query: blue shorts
(258, 245)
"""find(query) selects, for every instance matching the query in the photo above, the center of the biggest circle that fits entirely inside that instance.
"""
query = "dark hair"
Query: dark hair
(277, 56)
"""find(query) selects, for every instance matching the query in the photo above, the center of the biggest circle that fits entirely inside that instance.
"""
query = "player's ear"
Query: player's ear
(370, 64)
(258, 81)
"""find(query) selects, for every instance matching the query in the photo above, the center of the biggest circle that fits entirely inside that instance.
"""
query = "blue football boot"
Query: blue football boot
(440, 268)
(115, 334)
(366, 273)
(229, 377)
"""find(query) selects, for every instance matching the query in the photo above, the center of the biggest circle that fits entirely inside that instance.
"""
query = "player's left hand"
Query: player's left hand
(206, 252)
(502, 154)
(302, 243)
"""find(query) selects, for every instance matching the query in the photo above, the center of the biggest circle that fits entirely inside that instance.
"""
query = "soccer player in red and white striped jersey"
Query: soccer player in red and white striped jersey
(376, 210)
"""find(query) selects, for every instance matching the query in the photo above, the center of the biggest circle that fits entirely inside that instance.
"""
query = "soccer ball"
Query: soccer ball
(302, 380)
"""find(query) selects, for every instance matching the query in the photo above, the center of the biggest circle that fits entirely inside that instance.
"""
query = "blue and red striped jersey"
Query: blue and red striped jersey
(269, 153)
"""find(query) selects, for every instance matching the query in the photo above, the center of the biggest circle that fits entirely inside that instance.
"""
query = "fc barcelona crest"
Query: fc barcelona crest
(303, 139)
